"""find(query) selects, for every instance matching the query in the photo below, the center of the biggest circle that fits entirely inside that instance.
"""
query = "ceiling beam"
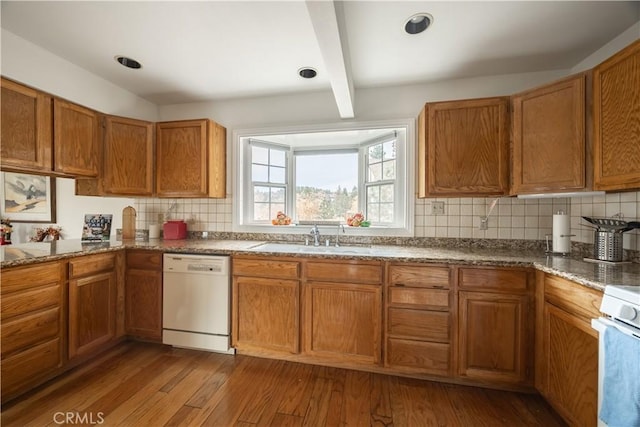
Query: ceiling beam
(335, 53)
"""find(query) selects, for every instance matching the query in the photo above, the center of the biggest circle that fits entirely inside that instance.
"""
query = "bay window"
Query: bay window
(324, 177)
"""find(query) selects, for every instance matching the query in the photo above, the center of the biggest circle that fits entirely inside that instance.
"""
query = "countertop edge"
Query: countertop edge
(404, 254)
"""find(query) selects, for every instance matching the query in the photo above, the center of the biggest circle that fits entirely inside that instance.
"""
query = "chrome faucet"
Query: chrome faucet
(338, 235)
(316, 235)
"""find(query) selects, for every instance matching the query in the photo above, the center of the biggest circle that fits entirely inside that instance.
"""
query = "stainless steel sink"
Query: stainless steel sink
(300, 248)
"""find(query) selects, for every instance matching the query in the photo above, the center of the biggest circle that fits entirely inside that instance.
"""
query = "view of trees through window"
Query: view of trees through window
(326, 186)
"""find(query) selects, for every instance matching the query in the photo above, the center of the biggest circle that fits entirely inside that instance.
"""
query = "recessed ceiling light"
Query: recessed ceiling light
(418, 23)
(128, 62)
(307, 73)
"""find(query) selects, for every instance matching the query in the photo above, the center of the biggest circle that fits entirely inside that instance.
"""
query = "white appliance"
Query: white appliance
(195, 302)
(621, 304)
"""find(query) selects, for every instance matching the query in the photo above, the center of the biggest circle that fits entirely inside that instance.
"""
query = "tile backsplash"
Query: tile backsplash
(511, 218)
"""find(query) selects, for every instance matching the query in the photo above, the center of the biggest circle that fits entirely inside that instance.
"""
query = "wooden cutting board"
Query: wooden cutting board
(128, 223)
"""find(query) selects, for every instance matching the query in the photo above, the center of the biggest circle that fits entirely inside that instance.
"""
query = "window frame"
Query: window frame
(405, 174)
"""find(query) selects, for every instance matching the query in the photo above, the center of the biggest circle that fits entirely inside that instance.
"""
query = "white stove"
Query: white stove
(621, 307)
(622, 303)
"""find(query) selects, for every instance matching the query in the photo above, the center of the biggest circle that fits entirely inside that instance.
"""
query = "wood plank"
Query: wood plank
(356, 409)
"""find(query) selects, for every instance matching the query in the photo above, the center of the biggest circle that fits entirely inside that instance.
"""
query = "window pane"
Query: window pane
(278, 158)
(386, 212)
(259, 155)
(259, 173)
(373, 213)
(261, 212)
(386, 193)
(373, 194)
(277, 175)
(389, 169)
(326, 186)
(278, 196)
(275, 208)
(389, 150)
(261, 194)
(375, 153)
(375, 172)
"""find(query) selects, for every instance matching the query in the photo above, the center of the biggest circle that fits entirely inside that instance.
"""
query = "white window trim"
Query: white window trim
(407, 174)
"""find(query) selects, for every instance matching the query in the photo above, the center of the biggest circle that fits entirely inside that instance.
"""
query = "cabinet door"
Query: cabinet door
(343, 322)
(75, 142)
(92, 312)
(494, 337)
(616, 114)
(549, 144)
(26, 123)
(128, 157)
(468, 147)
(181, 164)
(143, 302)
(570, 379)
(266, 314)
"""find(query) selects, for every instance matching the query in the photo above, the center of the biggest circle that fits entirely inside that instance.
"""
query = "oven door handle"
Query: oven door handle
(601, 323)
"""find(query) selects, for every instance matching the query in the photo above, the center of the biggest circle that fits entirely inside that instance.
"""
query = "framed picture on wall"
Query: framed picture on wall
(27, 198)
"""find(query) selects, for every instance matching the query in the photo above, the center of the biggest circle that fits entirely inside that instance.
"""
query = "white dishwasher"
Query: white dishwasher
(195, 302)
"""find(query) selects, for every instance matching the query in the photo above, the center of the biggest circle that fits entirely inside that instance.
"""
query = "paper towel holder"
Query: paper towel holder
(549, 251)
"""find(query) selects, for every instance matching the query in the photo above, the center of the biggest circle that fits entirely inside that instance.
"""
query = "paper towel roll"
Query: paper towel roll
(154, 231)
(561, 233)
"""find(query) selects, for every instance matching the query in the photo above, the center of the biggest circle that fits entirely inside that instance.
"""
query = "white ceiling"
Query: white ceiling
(208, 50)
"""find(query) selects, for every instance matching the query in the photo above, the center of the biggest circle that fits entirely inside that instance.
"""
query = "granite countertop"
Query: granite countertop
(594, 275)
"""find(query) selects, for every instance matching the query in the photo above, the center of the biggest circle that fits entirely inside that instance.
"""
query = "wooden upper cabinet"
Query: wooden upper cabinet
(27, 127)
(549, 137)
(128, 157)
(616, 113)
(191, 159)
(467, 148)
(76, 140)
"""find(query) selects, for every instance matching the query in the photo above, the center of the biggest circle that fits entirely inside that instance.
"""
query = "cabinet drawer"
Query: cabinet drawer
(353, 272)
(572, 297)
(419, 276)
(32, 300)
(31, 329)
(423, 298)
(265, 268)
(144, 260)
(420, 324)
(27, 368)
(493, 279)
(425, 357)
(91, 264)
(19, 278)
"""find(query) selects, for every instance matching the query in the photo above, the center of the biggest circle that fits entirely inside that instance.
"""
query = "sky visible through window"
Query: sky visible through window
(326, 186)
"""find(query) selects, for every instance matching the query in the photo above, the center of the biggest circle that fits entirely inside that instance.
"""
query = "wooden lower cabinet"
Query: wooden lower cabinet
(567, 348)
(33, 326)
(492, 337)
(495, 326)
(266, 314)
(309, 310)
(143, 294)
(92, 303)
(342, 321)
(265, 305)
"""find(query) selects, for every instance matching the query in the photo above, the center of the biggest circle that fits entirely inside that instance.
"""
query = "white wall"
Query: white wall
(29, 64)
(627, 37)
(395, 102)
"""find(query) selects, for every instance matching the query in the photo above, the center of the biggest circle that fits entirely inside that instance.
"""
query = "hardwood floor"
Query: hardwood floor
(140, 384)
